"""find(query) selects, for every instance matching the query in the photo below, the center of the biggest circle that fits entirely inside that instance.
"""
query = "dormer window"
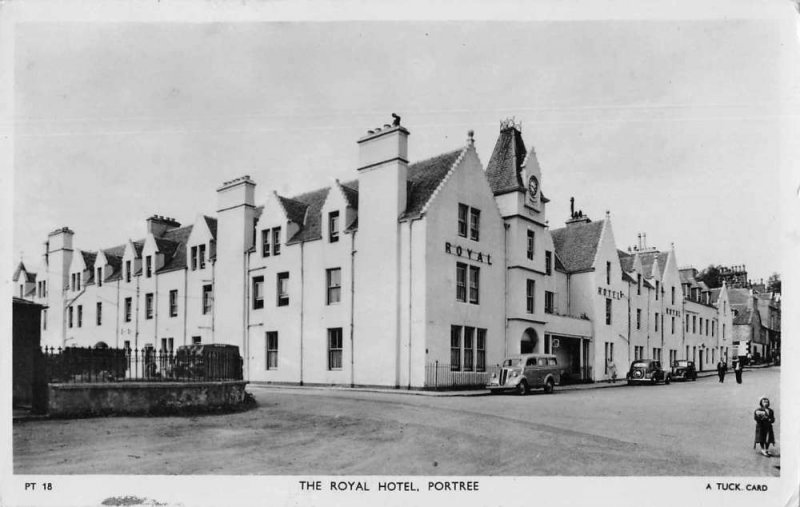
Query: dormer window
(639, 284)
(474, 224)
(148, 266)
(265, 234)
(608, 273)
(463, 210)
(333, 226)
(128, 271)
(201, 256)
(99, 277)
(657, 290)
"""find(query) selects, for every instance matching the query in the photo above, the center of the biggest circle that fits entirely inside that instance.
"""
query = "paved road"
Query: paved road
(698, 428)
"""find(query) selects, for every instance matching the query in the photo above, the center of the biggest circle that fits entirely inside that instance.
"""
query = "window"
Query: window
(639, 284)
(723, 331)
(673, 356)
(173, 303)
(657, 289)
(148, 305)
(638, 318)
(531, 238)
(638, 352)
(333, 226)
(462, 220)
(609, 355)
(687, 323)
(126, 345)
(272, 350)
(265, 242)
(201, 256)
(258, 292)
(694, 323)
(455, 348)
(197, 340)
(480, 364)
(474, 224)
(672, 328)
(335, 348)
(44, 318)
(99, 277)
(469, 353)
(706, 327)
(99, 319)
(70, 316)
(608, 273)
(167, 345)
(276, 241)
(608, 311)
(549, 301)
(474, 284)
(530, 288)
(283, 289)
(672, 290)
(208, 299)
(80, 315)
(713, 327)
(656, 321)
(194, 258)
(548, 262)
(128, 304)
(334, 277)
(128, 271)
(148, 266)
(461, 282)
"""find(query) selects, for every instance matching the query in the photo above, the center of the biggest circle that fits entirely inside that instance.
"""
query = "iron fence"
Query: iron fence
(193, 363)
(442, 376)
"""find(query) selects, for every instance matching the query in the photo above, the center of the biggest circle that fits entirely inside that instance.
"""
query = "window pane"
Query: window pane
(455, 348)
(474, 284)
(461, 282)
(475, 224)
(462, 220)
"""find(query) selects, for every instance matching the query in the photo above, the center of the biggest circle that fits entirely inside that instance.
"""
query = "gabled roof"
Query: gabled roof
(576, 245)
(505, 164)
(424, 178)
(350, 190)
(306, 210)
(174, 245)
(29, 277)
(625, 260)
(744, 316)
(715, 295)
(88, 259)
(650, 258)
(212, 225)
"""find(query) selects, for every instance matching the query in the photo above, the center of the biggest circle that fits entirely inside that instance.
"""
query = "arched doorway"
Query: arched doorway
(529, 341)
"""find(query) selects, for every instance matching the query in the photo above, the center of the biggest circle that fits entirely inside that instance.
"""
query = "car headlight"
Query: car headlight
(514, 374)
(494, 375)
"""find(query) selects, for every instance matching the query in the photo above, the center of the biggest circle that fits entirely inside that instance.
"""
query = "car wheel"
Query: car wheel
(522, 388)
(548, 387)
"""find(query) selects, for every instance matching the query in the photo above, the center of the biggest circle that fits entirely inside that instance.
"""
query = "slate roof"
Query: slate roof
(625, 260)
(350, 190)
(738, 296)
(715, 295)
(174, 241)
(503, 170)
(212, 225)
(310, 204)
(649, 258)
(627, 277)
(576, 245)
(114, 258)
(744, 316)
(29, 277)
(424, 178)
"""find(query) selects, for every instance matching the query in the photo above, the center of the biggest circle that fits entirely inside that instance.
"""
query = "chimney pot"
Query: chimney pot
(387, 126)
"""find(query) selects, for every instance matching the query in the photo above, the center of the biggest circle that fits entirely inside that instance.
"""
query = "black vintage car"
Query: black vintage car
(647, 371)
(684, 370)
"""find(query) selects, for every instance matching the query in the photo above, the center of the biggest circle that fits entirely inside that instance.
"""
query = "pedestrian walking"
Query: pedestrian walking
(721, 369)
(612, 371)
(737, 369)
(764, 417)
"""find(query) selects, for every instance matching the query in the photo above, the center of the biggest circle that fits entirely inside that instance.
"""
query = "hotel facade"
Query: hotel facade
(386, 279)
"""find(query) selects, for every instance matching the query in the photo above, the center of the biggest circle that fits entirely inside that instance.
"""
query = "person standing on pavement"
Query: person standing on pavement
(737, 369)
(764, 417)
(721, 369)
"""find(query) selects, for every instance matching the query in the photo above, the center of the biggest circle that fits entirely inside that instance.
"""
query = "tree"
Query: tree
(774, 283)
(710, 276)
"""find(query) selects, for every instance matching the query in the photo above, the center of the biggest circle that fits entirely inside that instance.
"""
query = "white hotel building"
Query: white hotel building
(372, 281)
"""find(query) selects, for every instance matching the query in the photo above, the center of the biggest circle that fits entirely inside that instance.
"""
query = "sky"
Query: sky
(677, 128)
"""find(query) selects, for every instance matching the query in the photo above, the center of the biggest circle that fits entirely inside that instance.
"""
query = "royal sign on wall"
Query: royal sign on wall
(467, 253)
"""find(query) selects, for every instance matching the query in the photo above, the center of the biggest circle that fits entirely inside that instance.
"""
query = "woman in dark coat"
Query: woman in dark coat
(721, 369)
(764, 417)
(737, 369)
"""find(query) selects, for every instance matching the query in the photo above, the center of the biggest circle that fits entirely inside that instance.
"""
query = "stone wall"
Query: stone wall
(145, 398)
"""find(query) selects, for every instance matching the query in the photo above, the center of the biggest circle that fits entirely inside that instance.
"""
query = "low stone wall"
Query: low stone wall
(145, 398)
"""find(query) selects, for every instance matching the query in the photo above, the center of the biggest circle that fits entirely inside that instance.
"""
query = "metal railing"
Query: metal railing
(441, 376)
(194, 363)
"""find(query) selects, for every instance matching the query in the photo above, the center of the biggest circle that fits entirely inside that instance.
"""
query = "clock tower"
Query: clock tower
(516, 181)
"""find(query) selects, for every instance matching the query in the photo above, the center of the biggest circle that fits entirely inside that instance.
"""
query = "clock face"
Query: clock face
(533, 187)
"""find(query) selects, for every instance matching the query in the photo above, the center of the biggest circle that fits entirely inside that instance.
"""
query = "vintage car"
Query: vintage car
(684, 370)
(525, 372)
(647, 371)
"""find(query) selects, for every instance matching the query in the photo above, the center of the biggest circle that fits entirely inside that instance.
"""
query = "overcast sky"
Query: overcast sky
(676, 127)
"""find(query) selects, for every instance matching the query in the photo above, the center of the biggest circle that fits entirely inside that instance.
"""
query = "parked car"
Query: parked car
(684, 370)
(525, 372)
(647, 371)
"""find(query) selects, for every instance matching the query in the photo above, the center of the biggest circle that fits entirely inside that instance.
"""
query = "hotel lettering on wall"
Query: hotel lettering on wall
(608, 293)
(467, 253)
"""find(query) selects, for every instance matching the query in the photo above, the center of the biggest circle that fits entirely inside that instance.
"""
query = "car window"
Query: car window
(542, 361)
(531, 361)
(511, 362)
(640, 364)
(656, 365)
(552, 361)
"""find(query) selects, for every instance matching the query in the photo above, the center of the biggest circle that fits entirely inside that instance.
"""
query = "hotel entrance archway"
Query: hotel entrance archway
(529, 342)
